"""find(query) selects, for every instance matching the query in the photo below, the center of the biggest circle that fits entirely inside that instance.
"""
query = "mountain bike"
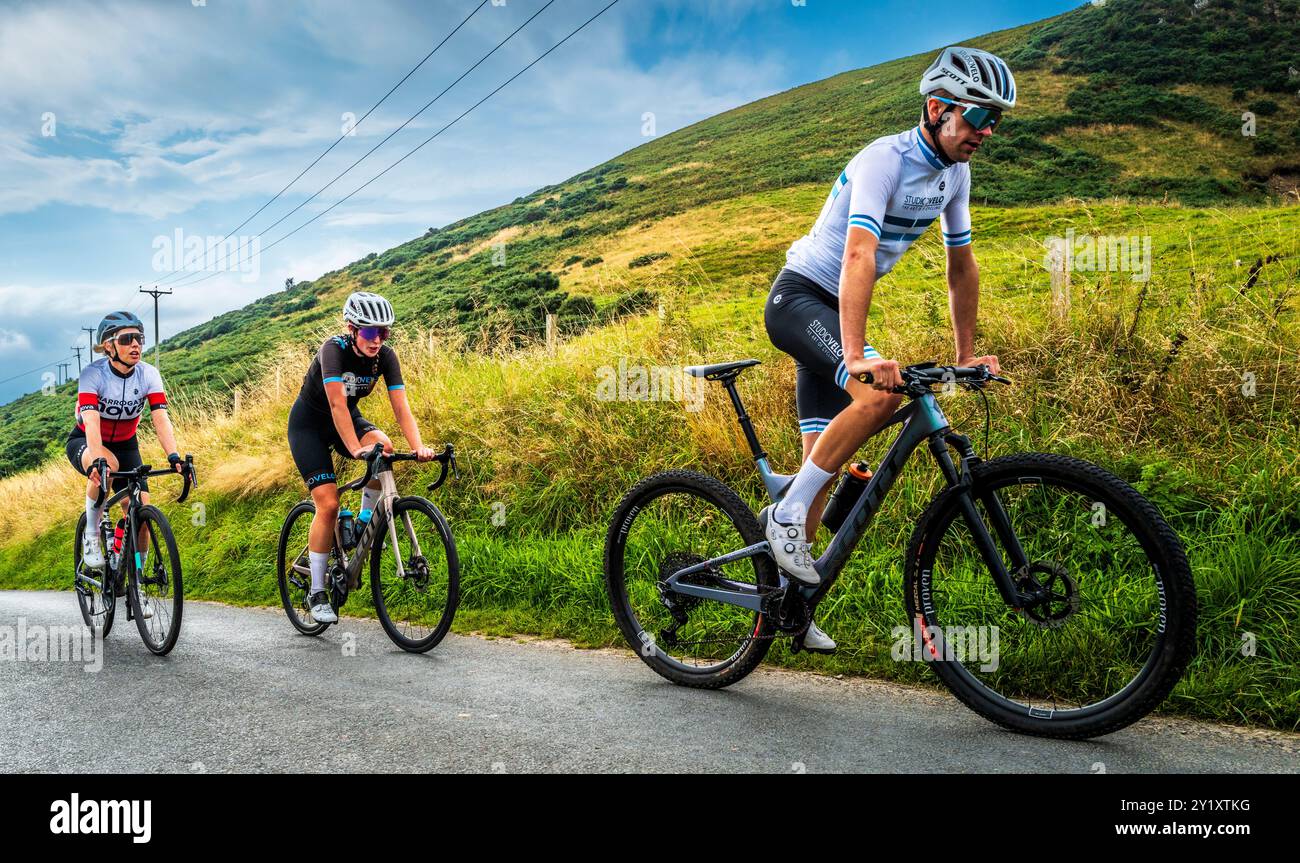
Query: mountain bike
(1078, 580)
(415, 587)
(150, 579)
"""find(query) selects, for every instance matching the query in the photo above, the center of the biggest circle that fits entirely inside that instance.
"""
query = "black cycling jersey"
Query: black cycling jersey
(337, 360)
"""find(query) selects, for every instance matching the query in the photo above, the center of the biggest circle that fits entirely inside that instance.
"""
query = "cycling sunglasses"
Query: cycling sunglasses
(372, 333)
(977, 115)
(127, 339)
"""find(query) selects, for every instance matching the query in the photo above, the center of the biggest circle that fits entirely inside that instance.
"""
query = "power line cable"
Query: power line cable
(328, 149)
(429, 139)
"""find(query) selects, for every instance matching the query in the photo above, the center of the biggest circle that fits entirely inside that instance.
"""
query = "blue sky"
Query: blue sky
(124, 122)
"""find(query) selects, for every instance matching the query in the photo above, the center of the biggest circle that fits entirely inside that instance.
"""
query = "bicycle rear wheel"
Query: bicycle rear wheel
(293, 571)
(415, 584)
(155, 587)
(95, 595)
(1116, 627)
(665, 523)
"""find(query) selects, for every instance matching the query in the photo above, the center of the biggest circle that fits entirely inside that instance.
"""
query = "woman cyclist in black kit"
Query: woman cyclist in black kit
(325, 417)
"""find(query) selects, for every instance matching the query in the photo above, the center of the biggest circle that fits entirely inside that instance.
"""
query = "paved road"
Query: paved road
(244, 692)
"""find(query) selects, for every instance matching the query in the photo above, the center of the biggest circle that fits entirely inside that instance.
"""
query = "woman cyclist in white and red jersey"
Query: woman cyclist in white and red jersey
(112, 394)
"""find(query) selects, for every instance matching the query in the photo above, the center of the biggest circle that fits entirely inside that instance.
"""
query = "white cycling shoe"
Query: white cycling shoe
(790, 548)
(92, 556)
(816, 641)
(321, 610)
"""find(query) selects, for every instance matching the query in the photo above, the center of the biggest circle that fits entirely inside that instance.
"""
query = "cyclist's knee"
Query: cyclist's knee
(326, 498)
(868, 402)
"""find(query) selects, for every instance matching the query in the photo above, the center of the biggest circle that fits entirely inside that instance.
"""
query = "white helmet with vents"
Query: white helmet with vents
(971, 75)
(365, 309)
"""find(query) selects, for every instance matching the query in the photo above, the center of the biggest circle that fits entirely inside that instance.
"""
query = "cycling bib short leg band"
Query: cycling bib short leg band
(126, 451)
(311, 439)
(803, 320)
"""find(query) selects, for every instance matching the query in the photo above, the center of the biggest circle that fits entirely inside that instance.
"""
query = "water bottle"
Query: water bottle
(846, 494)
(115, 551)
(347, 534)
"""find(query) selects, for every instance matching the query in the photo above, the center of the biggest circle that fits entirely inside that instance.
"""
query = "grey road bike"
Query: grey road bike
(414, 567)
(1084, 583)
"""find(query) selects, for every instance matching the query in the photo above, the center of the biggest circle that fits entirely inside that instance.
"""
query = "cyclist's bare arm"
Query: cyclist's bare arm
(406, 422)
(964, 303)
(162, 425)
(338, 399)
(94, 440)
(857, 278)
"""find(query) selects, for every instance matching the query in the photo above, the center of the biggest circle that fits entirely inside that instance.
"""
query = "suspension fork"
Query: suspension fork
(989, 552)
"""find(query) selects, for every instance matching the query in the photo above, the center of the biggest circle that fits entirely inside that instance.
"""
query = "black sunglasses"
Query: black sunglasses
(127, 339)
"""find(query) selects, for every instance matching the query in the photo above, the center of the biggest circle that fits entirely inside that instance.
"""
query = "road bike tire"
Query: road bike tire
(1173, 632)
(162, 584)
(293, 594)
(432, 588)
(98, 606)
(746, 531)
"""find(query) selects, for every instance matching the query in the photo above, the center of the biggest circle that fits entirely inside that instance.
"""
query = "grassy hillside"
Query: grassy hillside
(1094, 121)
(1184, 385)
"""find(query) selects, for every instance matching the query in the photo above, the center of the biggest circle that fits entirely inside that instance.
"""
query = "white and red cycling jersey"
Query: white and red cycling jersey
(119, 398)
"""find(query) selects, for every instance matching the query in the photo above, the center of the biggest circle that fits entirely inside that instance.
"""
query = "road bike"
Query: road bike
(1076, 579)
(149, 576)
(415, 586)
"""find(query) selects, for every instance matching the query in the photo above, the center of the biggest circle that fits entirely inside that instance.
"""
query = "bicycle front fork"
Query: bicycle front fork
(941, 445)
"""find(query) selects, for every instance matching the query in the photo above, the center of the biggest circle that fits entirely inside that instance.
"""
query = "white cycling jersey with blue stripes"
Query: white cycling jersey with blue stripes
(894, 188)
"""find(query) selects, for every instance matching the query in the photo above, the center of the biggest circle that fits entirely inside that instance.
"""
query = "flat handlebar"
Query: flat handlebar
(918, 379)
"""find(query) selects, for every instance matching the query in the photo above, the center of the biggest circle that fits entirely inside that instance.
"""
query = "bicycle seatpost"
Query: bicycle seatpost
(745, 425)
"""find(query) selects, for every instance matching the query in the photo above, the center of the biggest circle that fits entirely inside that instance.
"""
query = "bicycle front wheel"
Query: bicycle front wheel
(666, 523)
(415, 582)
(94, 589)
(154, 585)
(1114, 627)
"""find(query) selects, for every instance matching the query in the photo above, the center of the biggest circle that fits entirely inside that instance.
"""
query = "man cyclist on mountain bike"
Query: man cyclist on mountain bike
(112, 393)
(817, 309)
(325, 417)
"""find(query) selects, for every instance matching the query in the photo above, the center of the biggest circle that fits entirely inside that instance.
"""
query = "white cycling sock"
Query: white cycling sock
(93, 516)
(319, 561)
(369, 497)
(793, 508)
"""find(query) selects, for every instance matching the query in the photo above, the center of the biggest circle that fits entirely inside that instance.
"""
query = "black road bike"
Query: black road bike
(143, 564)
(1076, 579)
(414, 568)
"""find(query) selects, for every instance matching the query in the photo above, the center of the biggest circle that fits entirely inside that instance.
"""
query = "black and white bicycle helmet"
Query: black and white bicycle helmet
(364, 309)
(971, 75)
(112, 323)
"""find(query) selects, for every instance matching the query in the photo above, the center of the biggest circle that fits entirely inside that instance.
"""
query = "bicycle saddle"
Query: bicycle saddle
(717, 371)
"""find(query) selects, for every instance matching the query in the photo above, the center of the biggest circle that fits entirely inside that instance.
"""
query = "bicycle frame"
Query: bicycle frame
(132, 491)
(922, 421)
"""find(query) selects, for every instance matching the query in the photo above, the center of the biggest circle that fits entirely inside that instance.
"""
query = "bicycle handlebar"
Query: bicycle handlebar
(918, 379)
(142, 472)
(447, 458)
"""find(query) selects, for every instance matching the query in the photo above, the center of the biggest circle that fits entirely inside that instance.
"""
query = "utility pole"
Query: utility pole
(63, 367)
(90, 338)
(77, 348)
(157, 340)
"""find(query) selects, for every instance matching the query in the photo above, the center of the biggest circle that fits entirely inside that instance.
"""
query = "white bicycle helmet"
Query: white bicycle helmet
(365, 309)
(971, 75)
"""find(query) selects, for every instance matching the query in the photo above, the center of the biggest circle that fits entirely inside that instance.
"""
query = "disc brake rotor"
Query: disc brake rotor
(1061, 601)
